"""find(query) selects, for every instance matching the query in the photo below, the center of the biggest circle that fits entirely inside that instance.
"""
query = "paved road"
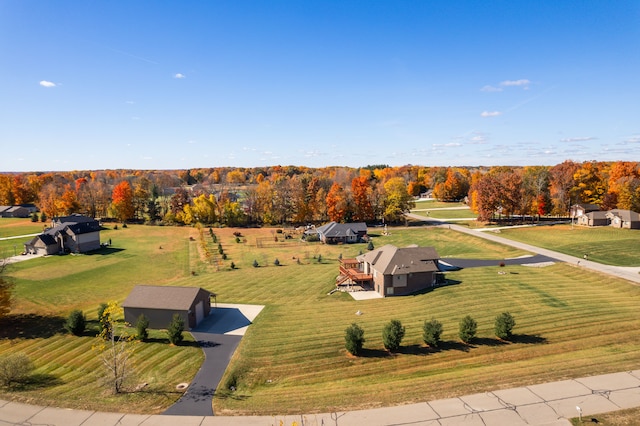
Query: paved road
(627, 273)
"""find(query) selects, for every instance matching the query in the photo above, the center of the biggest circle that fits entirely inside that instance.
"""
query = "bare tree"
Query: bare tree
(115, 350)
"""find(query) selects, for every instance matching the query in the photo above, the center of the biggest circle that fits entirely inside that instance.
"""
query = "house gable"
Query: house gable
(397, 271)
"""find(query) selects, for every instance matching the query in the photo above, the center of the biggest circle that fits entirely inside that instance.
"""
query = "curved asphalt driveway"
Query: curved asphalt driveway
(218, 335)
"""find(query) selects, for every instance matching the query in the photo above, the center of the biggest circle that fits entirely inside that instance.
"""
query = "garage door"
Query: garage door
(199, 312)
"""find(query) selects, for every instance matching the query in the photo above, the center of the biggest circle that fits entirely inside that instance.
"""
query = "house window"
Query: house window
(389, 291)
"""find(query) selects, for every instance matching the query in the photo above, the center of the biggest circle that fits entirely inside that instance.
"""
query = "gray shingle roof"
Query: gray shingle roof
(391, 260)
(161, 297)
(333, 229)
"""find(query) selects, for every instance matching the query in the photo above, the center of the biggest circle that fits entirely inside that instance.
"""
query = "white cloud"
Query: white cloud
(489, 88)
(130, 102)
(582, 139)
(522, 82)
(478, 139)
(632, 139)
(45, 83)
(447, 145)
(179, 76)
(490, 113)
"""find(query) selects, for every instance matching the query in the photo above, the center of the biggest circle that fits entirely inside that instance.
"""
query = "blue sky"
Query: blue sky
(185, 84)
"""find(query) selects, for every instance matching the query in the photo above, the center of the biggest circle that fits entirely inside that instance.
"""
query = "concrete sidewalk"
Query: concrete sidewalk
(543, 404)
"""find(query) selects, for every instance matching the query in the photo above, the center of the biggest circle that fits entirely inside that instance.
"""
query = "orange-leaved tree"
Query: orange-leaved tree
(122, 201)
(336, 203)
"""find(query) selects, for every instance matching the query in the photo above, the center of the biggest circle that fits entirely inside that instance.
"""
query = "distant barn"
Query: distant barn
(160, 303)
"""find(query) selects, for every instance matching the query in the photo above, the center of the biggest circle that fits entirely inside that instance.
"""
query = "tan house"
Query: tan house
(578, 210)
(160, 303)
(392, 271)
(624, 219)
(598, 218)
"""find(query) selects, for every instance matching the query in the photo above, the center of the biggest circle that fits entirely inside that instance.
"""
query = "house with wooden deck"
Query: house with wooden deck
(391, 271)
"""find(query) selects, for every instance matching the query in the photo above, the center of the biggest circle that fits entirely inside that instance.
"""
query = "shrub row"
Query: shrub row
(393, 332)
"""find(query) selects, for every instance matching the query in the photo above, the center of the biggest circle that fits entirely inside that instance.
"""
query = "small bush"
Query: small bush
(370, 246)
(354, 339)
(142, 328)
(233, 265)
(312, 238)
(504, 326)
(14, 368)
(255, 263)
(238, 240)
(224, 256)
(392, 335)
(174, 332)
(43, 217)
(432, 330)
(276, 262)
(319, 258)
(34, 217)
(468, 329)
(76, 323)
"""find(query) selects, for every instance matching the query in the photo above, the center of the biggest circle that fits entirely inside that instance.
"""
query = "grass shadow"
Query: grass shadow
(164, 341)
(414, 350)
(488, 341)
(374, 353)
(453, 345)
(227, 394)
(445, 283)
(30, 326)
(104, 251)
(529, 339)
(37, 381)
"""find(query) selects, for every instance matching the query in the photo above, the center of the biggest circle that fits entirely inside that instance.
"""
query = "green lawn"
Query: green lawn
(434, 204)
(10, 227)
(447, 214)
(604, 244)
(292, 359)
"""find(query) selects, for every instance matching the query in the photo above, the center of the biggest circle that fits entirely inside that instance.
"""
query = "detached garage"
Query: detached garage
(160, 303)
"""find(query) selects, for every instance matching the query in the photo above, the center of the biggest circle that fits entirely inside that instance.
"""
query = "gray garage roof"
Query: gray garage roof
(161, 297)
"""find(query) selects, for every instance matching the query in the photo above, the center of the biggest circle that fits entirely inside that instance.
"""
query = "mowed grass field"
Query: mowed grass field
(570, 323)
(603, 244)
(15, 226)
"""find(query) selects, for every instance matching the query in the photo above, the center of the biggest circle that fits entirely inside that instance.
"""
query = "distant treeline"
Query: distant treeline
(298, 195)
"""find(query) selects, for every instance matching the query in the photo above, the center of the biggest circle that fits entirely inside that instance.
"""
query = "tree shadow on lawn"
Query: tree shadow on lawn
(529, 339)
(30, 326)
(228, 394)
(374, 353)
(36, 381)
(487, 341)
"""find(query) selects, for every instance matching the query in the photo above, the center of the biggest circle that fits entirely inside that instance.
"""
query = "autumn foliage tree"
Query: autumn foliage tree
(336, 203)
(361, 192)
(122, 201)
(398, 200)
